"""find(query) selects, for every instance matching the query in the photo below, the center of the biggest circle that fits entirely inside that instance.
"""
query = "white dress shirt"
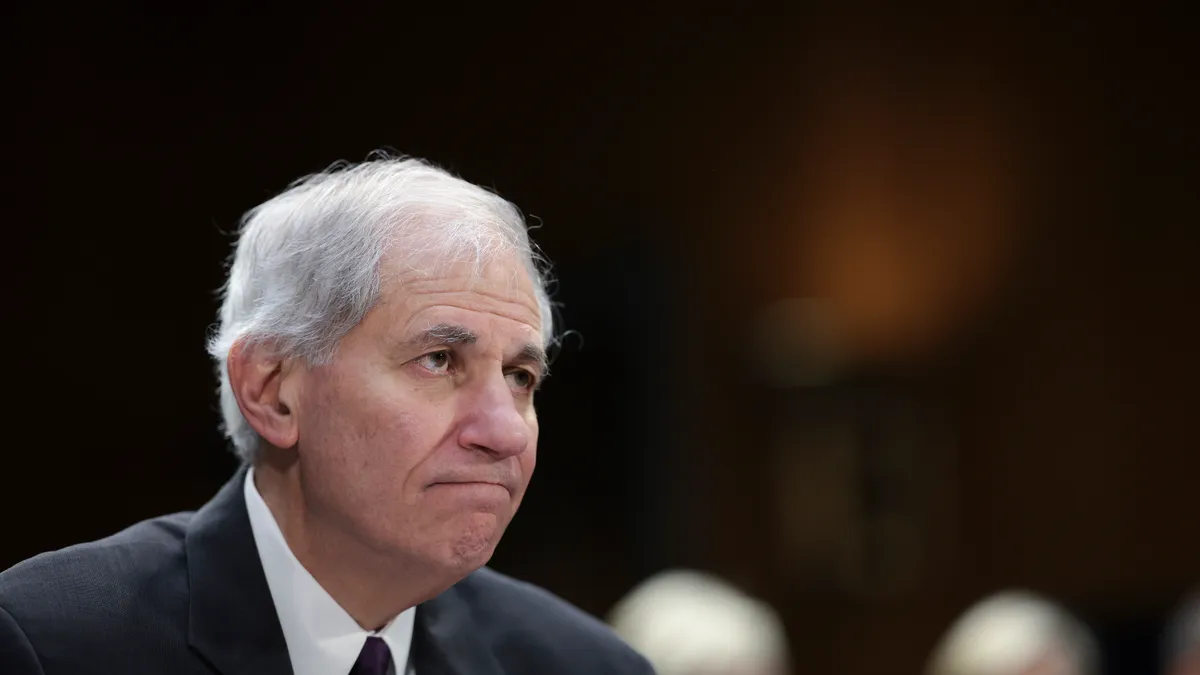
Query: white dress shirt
(322, 639)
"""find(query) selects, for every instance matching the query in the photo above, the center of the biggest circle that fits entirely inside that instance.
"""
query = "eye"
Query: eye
(522, 379)
(435, 362)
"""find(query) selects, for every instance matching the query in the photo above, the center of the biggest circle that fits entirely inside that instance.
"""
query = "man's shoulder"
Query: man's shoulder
(523, 619)
(524, 606)
(134, 567)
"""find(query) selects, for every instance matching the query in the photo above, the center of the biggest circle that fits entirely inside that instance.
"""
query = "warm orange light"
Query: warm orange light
(908, 213)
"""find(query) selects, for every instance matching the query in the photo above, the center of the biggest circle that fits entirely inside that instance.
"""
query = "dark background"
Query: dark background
(1022, 416)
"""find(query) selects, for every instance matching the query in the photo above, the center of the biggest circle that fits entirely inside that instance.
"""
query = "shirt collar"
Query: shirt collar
(321, 637)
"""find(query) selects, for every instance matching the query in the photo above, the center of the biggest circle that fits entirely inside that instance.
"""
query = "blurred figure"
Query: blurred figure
(692, 623)
(1015, 633)
(1182, 653)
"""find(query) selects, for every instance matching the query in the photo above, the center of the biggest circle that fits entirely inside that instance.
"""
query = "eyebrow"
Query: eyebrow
(444, 334)
(454, 334)
(534, 354)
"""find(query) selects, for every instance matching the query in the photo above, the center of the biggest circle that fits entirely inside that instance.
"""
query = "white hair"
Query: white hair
(307, 267)
(686, 622)
(1182, 640)
(1011, 632)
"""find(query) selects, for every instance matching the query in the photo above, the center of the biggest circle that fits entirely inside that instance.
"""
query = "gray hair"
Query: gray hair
(307, 267)
(1182, 637)
(1008, 632)
(687, 622)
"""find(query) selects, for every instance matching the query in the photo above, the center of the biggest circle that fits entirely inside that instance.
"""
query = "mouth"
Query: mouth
(477, 484)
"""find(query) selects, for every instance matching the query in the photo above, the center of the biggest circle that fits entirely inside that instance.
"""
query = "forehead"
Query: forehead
(497, 291)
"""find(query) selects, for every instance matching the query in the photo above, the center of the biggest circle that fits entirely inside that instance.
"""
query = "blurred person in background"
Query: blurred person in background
(1016, 633)
(383, 330)
(1181, 653)
(693, 623)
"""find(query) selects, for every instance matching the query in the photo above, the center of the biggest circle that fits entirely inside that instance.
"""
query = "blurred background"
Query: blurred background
(875, 312)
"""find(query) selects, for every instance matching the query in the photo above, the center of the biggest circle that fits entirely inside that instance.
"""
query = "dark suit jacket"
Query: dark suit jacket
(186, 594)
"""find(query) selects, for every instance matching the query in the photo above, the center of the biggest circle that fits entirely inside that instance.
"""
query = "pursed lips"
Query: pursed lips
(506, 486)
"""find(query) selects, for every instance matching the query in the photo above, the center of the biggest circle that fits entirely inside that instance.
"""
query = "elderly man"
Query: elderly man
(1181, 654)
(1016, 633)
(382, 335)
(695, 623)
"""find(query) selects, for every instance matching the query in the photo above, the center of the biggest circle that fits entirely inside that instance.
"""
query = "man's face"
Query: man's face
(421, 437)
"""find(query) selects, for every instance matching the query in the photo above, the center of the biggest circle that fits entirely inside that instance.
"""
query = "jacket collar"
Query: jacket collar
(231, 618)
(446, 641)
(233, 624)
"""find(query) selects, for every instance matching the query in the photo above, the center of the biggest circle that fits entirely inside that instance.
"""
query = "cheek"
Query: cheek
(529, 458)
(369, 425)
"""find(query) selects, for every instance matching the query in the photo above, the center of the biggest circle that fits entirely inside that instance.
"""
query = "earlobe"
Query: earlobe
(256, 377)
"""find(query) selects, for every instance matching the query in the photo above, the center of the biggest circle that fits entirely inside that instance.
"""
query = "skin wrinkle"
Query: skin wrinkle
(378, 431)
(392, 472)
(351, 228)
(415, 289)
(434, 304)
(443, 337)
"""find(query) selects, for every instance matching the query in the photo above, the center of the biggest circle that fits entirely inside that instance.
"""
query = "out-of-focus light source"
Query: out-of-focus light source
(908, 205)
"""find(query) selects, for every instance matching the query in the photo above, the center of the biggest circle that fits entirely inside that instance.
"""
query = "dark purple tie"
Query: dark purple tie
(374, 658)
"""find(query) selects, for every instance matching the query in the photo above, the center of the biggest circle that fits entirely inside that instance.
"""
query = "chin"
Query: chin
(470, 556)
(472, 545)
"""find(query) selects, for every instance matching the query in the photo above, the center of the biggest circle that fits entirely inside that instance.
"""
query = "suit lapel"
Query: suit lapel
(445, 642)
(233, 623)
(232, 618)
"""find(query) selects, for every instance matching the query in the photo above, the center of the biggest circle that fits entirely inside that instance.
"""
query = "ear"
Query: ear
(257, 377)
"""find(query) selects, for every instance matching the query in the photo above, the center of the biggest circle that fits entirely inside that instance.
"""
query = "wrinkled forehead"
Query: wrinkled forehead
(501, 271)
(498, 282)
(443, 243)
(454, 247)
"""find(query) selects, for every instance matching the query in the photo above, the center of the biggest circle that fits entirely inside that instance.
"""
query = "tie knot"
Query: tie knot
(374, 658)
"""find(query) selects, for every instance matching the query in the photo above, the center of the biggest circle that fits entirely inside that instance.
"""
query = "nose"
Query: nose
(493, 423)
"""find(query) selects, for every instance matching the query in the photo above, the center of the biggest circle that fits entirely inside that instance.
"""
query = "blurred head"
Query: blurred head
(383, 331)
(1015, 633)
(691, 623)
(1182, 649)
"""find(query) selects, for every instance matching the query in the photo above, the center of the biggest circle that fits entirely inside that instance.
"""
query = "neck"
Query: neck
(361, 579)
